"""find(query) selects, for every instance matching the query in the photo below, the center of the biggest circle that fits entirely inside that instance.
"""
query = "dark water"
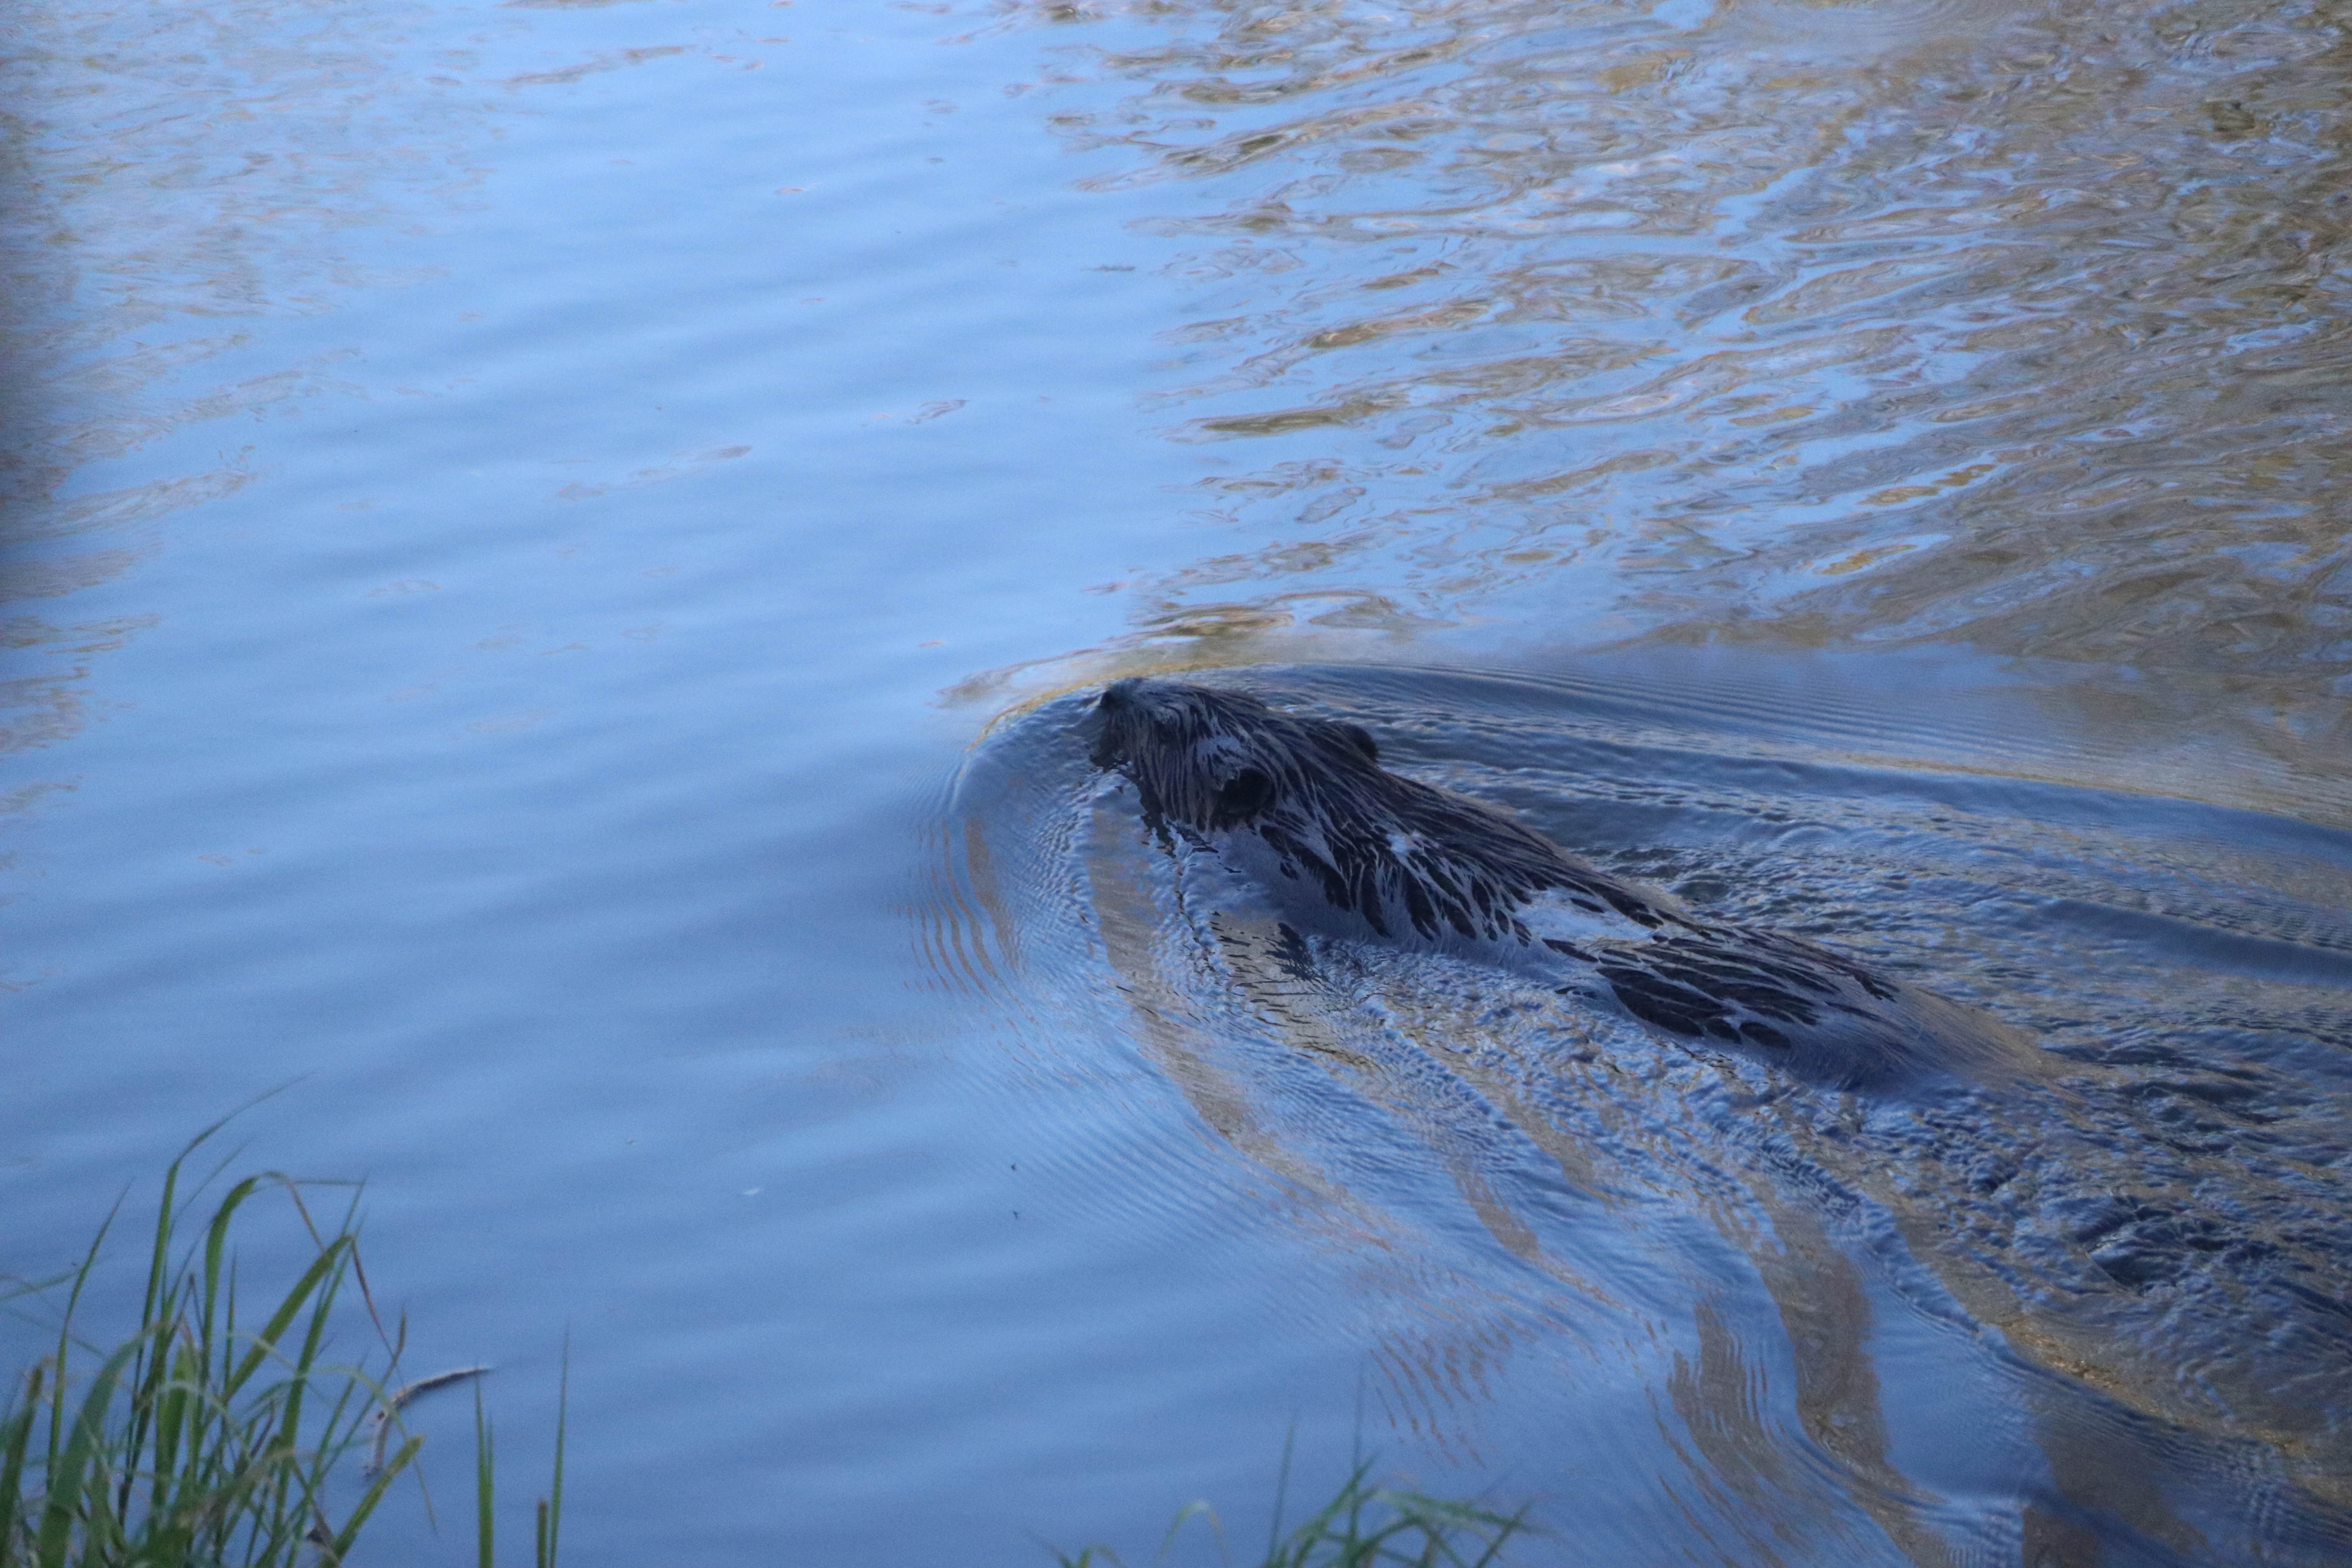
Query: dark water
(545, 546)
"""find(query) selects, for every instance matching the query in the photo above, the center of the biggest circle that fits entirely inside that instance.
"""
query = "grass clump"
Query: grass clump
(208, 1437)
(1365, 1525)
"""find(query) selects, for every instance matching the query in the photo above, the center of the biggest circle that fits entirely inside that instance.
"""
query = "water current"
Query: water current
(556, 553)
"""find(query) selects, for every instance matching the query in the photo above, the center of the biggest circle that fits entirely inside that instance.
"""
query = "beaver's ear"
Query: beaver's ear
(1362, 739)
(1244, 794)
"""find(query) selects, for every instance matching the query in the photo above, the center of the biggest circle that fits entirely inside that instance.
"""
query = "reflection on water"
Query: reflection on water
(2016, 324)
(2138, 1258)
(182, 182)
(515, 508)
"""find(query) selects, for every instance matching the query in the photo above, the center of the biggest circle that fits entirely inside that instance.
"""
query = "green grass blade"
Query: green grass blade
(84, 1444)
(1281, 1490)
(210, 1335)
(294, 1499)
(485, 1486)
(65, 1337)
(172, 1414)
(16, 1437)
(553, 1533)
(1197, 1508)
(266, 1343)
(154, 1307)
(373, 1496)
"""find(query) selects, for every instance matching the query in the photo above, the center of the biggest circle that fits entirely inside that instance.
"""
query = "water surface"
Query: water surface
(530, 525)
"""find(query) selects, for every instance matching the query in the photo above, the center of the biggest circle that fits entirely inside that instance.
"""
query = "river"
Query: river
(554, 551)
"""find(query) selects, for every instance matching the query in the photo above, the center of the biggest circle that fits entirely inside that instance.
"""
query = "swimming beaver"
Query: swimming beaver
(1302, 808)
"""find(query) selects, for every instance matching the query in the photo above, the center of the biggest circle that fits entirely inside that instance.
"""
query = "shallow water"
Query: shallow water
(535, 529)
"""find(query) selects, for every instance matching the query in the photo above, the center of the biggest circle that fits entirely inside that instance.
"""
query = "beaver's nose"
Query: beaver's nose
(1118, 694)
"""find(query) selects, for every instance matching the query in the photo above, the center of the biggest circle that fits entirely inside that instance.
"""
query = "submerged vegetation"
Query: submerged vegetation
(1366, 1525)
(207, 1437)
(211, 1433)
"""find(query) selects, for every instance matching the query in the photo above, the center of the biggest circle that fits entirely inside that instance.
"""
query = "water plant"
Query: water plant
(203, 1438)
(548, 1521)
(1365, 1525)
(209, 1434)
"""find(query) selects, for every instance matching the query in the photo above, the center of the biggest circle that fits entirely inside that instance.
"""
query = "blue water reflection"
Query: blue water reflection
(523, 513)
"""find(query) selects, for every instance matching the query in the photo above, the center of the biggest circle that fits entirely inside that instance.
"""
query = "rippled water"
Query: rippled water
(546, 543)
(1961, 1318)
(1806, 322)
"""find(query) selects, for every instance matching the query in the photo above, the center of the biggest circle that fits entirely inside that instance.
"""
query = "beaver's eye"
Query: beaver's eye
(1362, 739)
(1246, 794)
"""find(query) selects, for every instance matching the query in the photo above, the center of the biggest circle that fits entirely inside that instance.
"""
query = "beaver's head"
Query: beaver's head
(1211, 760)
(1314, 791)
(1207, 761)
